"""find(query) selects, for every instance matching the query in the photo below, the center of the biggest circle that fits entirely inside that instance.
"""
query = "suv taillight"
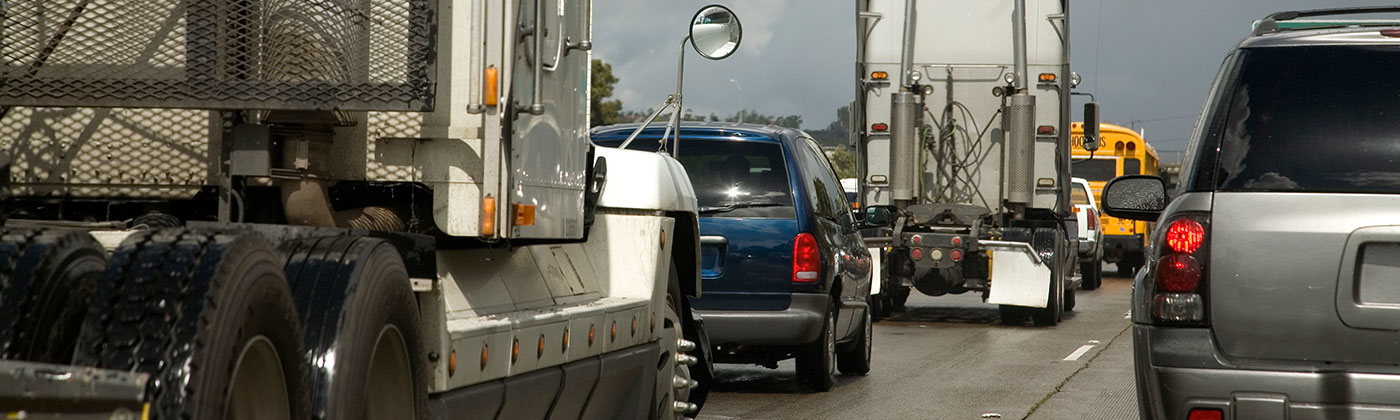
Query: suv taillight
(1180, 278)
(806, 259)
(1092, 218)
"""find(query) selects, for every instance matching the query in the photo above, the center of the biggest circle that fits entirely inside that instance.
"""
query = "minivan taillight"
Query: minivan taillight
(806, 259)
(1180, 280)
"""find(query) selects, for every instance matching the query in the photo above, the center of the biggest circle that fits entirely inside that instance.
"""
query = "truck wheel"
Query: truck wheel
(816, 364)
(359, 309)
(877, 307)
(1050, 315)
(856, 361)
(1092, 273)
(900, 295)
(209, 316)
(1070, 300)
(46, 280)
(1012, 315)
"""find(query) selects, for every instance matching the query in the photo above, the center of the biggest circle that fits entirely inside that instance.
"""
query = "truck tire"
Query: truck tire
(1053, 311)
(1013, 315)
(1092, 273)
(209, 316)
(358, 306)
(816, 363)
(46, 280)
(856, 361)
(899, 297)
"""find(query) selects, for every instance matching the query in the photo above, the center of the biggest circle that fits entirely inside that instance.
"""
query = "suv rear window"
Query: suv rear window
(732, 178)
(1094, 169)
(1313, 119)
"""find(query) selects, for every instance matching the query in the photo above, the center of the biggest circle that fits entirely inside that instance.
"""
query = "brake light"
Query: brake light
(806, 259)
(1180, 275)
(1205, 414)
(1093, 218)
(1185, 236)
(879, 127)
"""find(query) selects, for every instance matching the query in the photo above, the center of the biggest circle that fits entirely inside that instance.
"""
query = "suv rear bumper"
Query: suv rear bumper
(800, 323)
(1177, 369)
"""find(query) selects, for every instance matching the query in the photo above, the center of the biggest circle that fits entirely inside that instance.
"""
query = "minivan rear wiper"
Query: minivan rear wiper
(732, 207)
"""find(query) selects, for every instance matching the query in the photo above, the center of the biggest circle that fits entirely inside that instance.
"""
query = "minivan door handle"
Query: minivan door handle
(713, 240)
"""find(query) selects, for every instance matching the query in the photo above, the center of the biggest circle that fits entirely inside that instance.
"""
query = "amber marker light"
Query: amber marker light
(452, 363)
(514, 350)
(879, 75)
(524, 214)
(488, 216)
(492, 77)
(1047, 77)
(485, 352)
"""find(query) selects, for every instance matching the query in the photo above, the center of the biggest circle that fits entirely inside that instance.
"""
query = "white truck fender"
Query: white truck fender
(645, 181)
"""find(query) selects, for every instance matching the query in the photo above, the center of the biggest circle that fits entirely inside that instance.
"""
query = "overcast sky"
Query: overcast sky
(1149, 62)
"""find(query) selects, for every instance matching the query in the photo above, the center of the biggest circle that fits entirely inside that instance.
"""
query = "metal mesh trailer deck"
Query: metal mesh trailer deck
(219, 54)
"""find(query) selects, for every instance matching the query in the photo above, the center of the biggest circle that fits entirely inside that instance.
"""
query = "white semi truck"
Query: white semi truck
(963, 122)
(332, 209)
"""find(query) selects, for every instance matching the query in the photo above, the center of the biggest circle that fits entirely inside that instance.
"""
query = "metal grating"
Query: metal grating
(219, 54)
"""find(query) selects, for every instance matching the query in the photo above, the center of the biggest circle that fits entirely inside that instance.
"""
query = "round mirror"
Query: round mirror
(715, 32)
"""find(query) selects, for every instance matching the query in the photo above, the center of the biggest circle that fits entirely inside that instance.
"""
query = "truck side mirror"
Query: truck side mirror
(1091, 126)
(1136, 197)
(715, 32)
(876, 216)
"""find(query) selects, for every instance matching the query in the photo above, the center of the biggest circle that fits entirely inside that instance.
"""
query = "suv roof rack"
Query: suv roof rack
(1270, 23)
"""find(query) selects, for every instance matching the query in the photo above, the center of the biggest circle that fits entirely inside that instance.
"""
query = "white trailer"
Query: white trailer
(332, 209)
(964, 128)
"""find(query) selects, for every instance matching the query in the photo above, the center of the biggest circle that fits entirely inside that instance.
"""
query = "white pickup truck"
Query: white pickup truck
(1090, 236)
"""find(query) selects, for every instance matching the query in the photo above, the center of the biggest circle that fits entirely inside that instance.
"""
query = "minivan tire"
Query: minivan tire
(816, 363)
(856, 361)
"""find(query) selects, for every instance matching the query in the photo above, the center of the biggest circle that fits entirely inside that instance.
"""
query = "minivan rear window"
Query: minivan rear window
(1313, 119)
(733, 178)
(1094, 169)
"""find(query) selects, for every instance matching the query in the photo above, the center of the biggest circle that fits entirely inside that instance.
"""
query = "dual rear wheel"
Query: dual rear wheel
(227, 326)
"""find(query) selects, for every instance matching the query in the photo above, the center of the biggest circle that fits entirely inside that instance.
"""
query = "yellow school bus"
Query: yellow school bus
(1121, 152)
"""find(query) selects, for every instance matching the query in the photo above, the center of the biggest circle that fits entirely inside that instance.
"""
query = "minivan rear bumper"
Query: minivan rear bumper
(800, 323)
(1177, 370)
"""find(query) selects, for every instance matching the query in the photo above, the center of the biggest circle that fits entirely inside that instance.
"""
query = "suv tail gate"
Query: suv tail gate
(1305, 221)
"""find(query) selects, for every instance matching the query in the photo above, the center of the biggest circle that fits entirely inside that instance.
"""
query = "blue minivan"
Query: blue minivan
(785, 272)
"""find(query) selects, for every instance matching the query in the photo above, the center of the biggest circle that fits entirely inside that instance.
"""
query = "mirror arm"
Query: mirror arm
(646, 122)
(676, 117)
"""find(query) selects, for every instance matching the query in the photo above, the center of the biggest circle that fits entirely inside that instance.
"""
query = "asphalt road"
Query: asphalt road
(949, 358)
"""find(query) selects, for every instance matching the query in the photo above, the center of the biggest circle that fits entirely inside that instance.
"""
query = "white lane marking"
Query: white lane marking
(1079, 352)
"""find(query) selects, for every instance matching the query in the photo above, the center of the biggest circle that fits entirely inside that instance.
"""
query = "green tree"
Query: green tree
(843, 161)
(601, 110)
(836, 133)
(754, 117)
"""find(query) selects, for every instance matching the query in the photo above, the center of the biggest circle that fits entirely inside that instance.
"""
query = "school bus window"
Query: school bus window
(1132, 166)
(1095, 169)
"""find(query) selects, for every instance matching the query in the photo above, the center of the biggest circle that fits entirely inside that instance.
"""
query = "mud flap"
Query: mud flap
(1018, 277)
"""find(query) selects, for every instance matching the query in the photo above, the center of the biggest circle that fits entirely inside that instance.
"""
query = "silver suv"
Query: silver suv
(1273, 284)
